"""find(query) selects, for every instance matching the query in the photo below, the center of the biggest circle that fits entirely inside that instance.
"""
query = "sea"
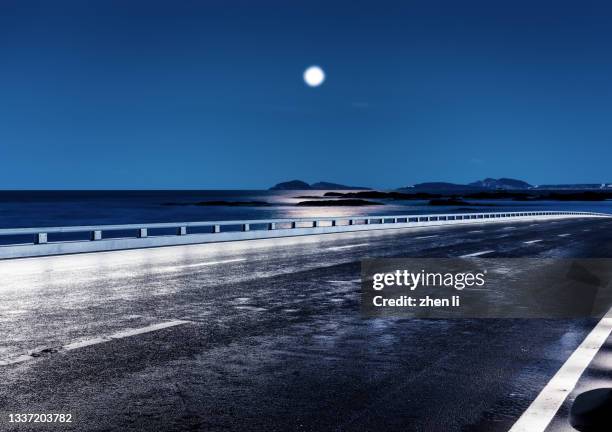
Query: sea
(99, 207)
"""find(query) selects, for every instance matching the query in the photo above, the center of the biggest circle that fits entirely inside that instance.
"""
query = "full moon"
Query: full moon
(314, 76)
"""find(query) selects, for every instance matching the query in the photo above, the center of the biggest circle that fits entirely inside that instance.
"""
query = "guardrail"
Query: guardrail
(143, 235)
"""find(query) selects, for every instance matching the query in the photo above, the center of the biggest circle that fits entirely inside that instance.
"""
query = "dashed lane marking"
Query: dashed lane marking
(175, 268)
(335, 248)
(209, 263)
(475, 254)
(93, 341)
(532, 241)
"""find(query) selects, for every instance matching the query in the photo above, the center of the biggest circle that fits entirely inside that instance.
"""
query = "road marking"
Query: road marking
(426, 237)
(346, 247)
(93, 341)
(209, 263)
(171, 269)
(532, 241)
(475, 231)
(475, 254)
(543, 409)
(563, 235)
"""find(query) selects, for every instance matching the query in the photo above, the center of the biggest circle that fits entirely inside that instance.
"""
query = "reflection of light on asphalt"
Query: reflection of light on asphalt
(501, 270)
(380, 323)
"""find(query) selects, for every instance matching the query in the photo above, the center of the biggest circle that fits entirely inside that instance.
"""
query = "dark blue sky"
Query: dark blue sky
(209, 94)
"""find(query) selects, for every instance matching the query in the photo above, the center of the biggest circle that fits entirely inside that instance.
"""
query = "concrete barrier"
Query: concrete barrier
(222, 231)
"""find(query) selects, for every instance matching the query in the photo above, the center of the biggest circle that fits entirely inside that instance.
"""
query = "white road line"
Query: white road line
(475, 254)
(543, 409)
(532, 241)
(335, 248)
(563, 235)
(209, 263)
(171, 269)
(94, 341)
(426, 237)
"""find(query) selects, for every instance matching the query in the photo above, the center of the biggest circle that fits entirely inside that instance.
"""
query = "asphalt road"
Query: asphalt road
(267, 335)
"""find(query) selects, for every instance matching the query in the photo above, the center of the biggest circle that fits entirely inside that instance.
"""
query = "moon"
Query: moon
(314, 76)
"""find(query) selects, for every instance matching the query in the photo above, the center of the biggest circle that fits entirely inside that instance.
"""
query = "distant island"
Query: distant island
(486, 184)
(404, 196)
(448, 194)
(338, 203)
(302, 185)
(458, 197)
(382, 195)
(503, 184)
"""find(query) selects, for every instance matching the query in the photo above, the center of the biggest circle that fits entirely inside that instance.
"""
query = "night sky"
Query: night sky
(209, 94)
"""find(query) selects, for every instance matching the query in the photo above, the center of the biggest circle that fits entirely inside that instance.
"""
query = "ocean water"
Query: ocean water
(68, 208)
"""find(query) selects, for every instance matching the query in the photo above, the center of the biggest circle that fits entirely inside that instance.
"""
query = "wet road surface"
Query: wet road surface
(267, 335)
